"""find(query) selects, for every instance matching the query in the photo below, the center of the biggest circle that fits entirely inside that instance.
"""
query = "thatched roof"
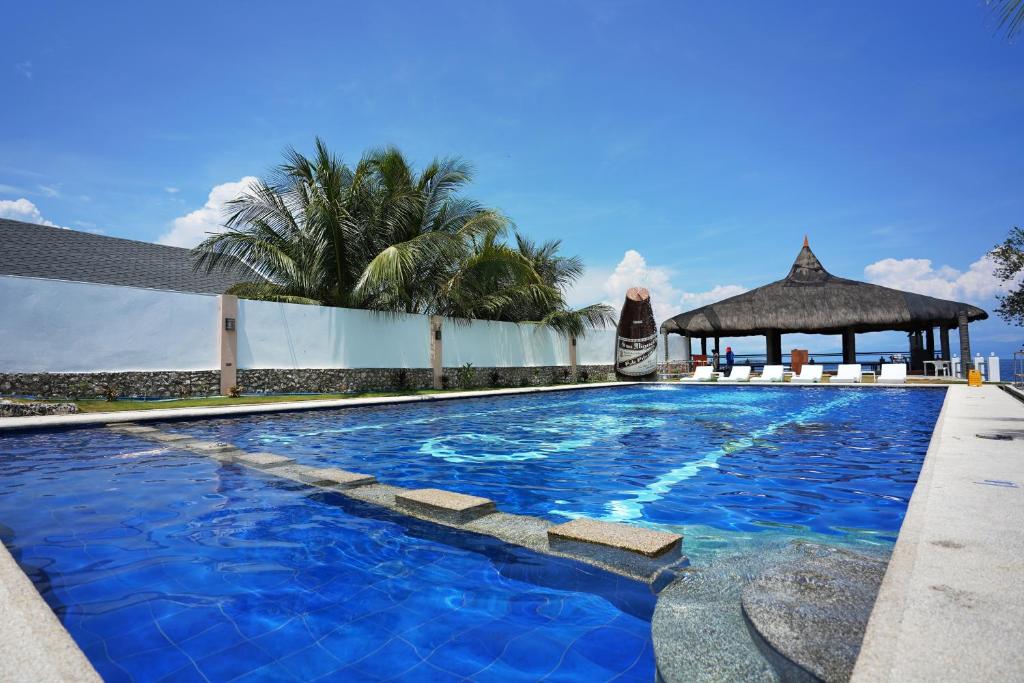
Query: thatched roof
(812, 300)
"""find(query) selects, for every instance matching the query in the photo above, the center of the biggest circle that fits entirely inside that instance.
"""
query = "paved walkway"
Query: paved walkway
(951, 606)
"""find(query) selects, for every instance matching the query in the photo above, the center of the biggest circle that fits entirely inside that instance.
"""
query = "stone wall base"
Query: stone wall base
(83, 385)
(177, 384)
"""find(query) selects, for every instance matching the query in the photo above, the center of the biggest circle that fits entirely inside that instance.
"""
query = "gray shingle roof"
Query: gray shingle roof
(40, 251)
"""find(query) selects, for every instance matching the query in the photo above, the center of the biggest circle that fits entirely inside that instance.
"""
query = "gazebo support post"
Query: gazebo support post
(849, 346)
(686, 351)
(703, 346)
(665, 335)
(965, 344)
(773, 347)
(944, 342)
(717, 349)
(916, 351)
(929, 344)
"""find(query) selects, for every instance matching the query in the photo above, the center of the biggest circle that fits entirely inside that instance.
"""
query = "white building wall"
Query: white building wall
(60, 326)
(496, 344)
(273, 335)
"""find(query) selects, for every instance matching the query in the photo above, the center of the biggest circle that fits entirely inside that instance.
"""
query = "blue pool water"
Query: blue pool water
(821, 460)
(169, 566)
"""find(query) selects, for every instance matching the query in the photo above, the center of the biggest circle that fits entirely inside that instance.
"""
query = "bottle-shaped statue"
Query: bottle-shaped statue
(636, 340)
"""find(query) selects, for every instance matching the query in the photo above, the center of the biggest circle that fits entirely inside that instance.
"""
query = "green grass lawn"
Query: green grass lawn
(101, 406)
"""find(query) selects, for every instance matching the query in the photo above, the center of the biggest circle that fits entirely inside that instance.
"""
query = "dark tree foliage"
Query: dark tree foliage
(1009, 258)
(1010, 15)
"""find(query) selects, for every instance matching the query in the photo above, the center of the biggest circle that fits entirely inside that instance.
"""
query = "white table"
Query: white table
(937, 366)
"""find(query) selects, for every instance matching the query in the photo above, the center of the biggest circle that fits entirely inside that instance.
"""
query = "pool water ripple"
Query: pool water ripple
(171, 566)
(824, 460)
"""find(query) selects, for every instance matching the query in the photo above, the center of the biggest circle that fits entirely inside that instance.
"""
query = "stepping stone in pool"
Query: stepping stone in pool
(217, 449)
(166, 437)
(131, 428)
(623, 537)
(812, 611)
(445, 506)
(263, 461)
(325, 476)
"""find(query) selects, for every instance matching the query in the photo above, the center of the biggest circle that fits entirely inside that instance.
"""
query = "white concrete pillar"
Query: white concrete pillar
(436, 351)
(992, 365)
(228, 309)
(572, 356)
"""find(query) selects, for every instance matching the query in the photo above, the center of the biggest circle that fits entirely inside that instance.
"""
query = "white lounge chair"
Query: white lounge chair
(771, 373)
(847, 374)
(702, 373)
(809, 374)
(893, 373)
(740, 373)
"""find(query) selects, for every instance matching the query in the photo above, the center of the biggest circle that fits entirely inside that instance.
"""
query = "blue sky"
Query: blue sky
(707, 138)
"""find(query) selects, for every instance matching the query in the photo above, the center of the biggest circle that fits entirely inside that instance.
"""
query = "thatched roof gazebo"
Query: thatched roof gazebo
(812, 300)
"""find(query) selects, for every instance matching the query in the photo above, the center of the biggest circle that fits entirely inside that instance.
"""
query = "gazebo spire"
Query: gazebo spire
(807, 268)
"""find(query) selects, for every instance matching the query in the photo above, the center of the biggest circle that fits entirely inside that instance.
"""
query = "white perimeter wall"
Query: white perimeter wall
(272, 335)
(494, 344)
(58, 326)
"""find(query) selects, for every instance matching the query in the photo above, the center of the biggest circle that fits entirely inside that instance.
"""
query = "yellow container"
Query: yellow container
(974, 378)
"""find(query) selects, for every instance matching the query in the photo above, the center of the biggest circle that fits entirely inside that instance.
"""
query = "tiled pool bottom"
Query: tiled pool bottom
(165, 565)
(818, 460)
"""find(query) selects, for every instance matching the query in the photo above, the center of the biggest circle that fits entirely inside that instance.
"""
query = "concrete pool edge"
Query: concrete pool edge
(951, 605)
(164, 414)
(34, 645)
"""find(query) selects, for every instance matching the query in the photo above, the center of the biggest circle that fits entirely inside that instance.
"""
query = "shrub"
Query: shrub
(582, 375)
(467, 376)
(110, 392)
(235, 391)
(402, 379)
(494, 378)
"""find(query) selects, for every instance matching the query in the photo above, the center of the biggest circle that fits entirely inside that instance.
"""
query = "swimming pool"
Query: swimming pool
(841, 462)
(165, 565)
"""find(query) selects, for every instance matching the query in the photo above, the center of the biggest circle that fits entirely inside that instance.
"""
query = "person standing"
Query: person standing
(714, 359)
(729, 359)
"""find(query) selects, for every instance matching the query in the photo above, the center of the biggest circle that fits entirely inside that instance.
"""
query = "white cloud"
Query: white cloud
(666, 299)
(190, 229)
(23, 210)
(49, 191)
(693, 300)
(633, 271)
(25, 69)
(172, 190)
(977, 283)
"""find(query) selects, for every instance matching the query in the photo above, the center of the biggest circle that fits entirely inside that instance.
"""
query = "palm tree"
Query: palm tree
(383, 237)
(559, 273)
(1010, 14)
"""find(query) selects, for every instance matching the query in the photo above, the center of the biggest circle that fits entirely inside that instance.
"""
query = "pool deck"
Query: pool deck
(33, 643)
(951, 606)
